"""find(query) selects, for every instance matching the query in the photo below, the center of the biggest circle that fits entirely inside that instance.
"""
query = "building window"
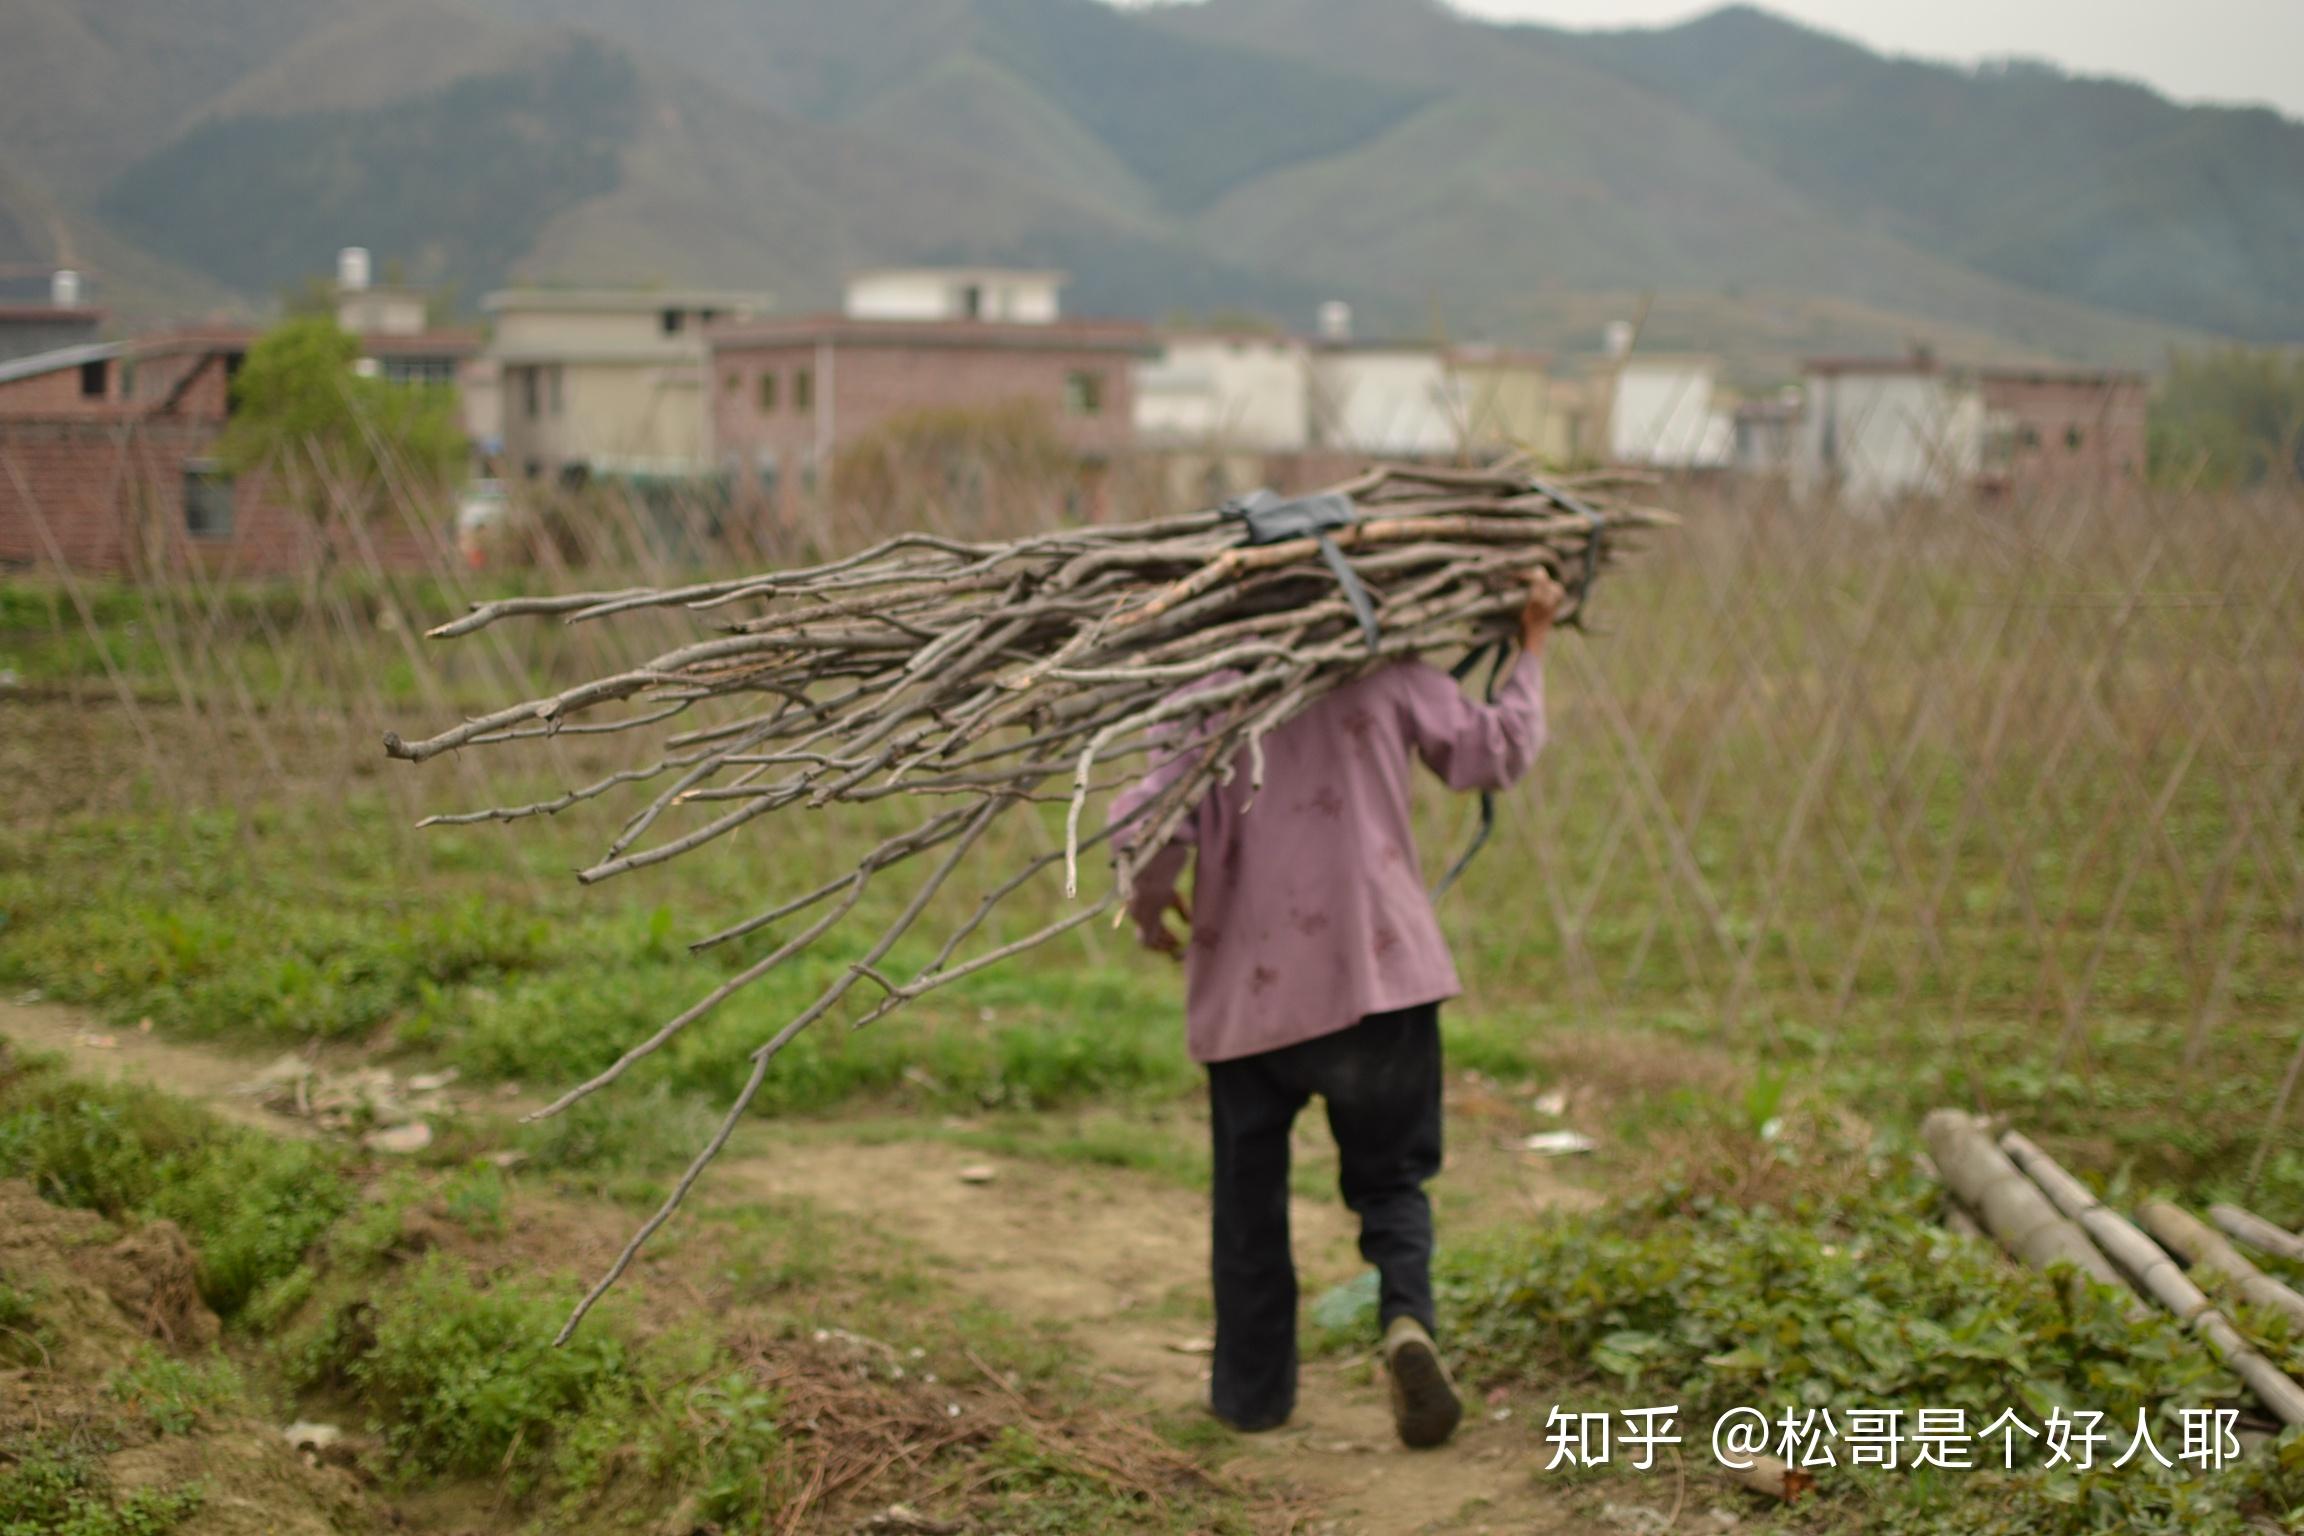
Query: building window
(207, 500)
(2073, 438)
(419, 370)
(673, 320)
(768, 393)
(1084, 393)
(803, 389)
(528, 400)
(972, 301)
(93, 377)
(733, 383)
(559, 392)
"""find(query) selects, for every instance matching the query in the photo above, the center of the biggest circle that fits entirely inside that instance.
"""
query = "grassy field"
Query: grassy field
(1841, 819)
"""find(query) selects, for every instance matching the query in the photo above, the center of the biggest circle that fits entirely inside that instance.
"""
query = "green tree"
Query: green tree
(302, 411)
(2233, 416)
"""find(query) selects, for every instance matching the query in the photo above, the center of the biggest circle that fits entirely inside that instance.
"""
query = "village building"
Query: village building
(1221, 412)
(29, 329)
(608, 382)
(107, 460)
(1767, 435)
(1873, 430)
(1508, 402)
(2050, 430)
(398, 342)
(108, 463)
(1663, 414)
(791, 393)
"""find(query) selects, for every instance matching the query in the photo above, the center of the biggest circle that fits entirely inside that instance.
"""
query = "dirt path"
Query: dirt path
(1115, 1260)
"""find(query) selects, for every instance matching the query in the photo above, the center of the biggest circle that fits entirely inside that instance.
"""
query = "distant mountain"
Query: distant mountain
(2098, 190)
(1769, 190)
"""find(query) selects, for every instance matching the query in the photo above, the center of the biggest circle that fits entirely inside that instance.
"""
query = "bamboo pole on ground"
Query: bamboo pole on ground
(2011, 1208)
(2155, 1273)
(2207, 1253)
(2258, 1233)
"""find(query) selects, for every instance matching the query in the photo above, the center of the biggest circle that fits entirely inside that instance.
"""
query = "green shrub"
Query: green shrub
(251, 1205)
(459, 1375)
(51, 1489)
(175, 1394)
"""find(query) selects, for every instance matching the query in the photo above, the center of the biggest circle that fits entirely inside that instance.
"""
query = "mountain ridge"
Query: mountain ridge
(1431, 168)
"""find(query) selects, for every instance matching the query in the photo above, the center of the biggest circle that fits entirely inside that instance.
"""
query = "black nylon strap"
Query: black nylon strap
(1496, 652)
(1270, 520)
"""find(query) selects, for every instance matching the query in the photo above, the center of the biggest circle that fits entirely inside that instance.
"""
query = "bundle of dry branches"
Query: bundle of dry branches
(980, 677)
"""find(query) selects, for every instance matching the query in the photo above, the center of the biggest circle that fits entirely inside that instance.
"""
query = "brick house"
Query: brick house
(789, 394)
(2053, 430)
(107, 464)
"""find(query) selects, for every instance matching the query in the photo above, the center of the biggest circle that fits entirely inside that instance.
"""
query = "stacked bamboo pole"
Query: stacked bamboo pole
(976, 678)
(2038, 1211)
(2206, 1253)
(2258, 1233)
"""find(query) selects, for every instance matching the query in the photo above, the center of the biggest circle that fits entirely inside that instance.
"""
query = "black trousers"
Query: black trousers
(1381, 1082)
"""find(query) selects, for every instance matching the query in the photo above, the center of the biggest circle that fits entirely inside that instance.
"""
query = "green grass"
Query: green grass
(1850, 1296)
(339, 1286)
(252, 1206)
(53, 1487)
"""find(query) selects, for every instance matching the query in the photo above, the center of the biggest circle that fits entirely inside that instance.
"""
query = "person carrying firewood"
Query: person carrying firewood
(1314, 965)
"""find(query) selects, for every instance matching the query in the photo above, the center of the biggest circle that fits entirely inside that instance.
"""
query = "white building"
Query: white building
(1385, 399)
(1874, 430)
(1661, 414)
(608, 381)
(1227, 392)
(1018, 296)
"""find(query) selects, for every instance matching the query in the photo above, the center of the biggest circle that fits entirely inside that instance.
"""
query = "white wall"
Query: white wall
(1661, 414)
(1877, 436)
(1026, 298)
(1390, 400)
(1249, 393)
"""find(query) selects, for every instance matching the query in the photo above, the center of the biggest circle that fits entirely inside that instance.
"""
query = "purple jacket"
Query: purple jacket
(1308, 907)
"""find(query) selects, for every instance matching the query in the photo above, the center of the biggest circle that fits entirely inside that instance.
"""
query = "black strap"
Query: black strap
(1495, 652)
(1270, 520)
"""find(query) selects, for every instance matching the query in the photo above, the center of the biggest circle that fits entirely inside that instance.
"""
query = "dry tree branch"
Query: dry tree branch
(992, 675)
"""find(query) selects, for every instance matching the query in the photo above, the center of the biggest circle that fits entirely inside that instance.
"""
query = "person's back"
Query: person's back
(1315, 965)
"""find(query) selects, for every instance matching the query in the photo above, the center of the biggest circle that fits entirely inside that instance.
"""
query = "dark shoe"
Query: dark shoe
(1424, 1406)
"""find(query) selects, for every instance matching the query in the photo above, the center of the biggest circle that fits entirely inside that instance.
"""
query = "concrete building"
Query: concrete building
(1662, 414)
(1215, 410)
(1508, 402)
(1873, 430)
(29, 329)
(1385, 400)
(790, 394)
(1014, 295)
(2049, 431)
(1767, 435)
(399, 342)
(1225, 391)
(608, 381)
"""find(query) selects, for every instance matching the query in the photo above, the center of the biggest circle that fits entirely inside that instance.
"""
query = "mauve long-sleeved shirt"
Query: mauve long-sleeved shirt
(1308, 908)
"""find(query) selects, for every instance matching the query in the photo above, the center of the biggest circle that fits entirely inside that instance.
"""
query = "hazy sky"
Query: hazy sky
(2195, 50)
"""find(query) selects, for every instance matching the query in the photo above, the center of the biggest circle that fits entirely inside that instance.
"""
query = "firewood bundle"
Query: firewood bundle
(977, 678)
